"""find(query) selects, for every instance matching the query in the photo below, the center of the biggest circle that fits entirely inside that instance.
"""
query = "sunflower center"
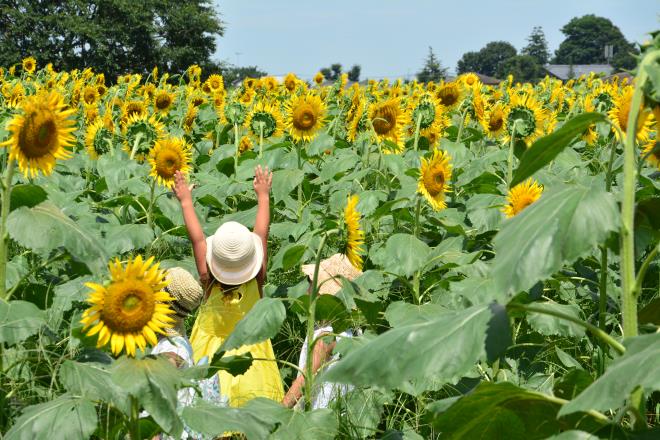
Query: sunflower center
(384, 120)
(163, 102)
(39, 135)
(434, 181)
(448, 96)
(167, 163)
(495, 122)
(304, 117)
(128, 306)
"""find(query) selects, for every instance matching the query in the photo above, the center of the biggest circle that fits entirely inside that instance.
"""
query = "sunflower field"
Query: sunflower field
(508, 237)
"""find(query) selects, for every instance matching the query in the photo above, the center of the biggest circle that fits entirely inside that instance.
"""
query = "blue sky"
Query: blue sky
(390, 38)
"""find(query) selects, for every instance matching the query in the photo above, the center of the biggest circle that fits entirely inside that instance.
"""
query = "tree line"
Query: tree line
(584, 43)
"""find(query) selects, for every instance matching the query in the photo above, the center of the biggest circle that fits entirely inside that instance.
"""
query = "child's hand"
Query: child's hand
(182, 190)
(263, 179)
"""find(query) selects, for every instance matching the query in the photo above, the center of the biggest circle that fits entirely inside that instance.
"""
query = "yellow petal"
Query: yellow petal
(130, 344)
(150, 335)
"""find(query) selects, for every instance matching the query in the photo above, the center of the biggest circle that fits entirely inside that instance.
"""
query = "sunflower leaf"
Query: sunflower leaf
(548, 147)
(405, 254)
(70, 417)
(557, 229)
(94, 381)
(442, 349)
(19, 320)
(262, 322)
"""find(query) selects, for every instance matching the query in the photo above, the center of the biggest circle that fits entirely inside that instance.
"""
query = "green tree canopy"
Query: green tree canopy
(487, 61)
(354, 73)
(537, 46)
(113, 36)
(524, 68)
(432, 70)
(585, 42)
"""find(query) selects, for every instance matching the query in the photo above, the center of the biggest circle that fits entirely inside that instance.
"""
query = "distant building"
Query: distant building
(570, 71)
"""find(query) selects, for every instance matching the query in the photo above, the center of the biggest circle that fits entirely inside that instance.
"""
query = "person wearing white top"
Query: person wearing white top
(323, 393)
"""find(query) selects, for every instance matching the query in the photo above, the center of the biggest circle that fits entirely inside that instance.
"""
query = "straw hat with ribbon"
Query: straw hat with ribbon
(234, 254)
(187, 294)
(330, 272)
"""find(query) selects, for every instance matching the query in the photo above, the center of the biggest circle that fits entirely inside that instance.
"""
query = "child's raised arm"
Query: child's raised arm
(263, 178)
(183, 192)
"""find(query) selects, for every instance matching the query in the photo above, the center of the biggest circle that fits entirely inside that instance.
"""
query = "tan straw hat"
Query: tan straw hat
(234, 254)
(185, 290)
(330, 271)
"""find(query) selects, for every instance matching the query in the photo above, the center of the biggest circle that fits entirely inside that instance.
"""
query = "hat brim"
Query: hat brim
(236, 276)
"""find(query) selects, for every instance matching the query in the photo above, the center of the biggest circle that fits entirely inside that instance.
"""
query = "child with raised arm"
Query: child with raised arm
(232, 267)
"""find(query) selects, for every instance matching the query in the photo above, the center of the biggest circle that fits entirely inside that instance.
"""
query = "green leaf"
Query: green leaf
(93, 381)
(120, 239)
(54, 229)
(26, 195)
(550, 325)
(405, 254)
(329, 308)
(284, 181)
(567, 359)
(572, 383)
(320, 424)
(69, 417)
(484, 212)
(548, 147)
(154, 382)
(363, 410)
(64, 297)
(19, 320)
(401, 313)
(292, 256)
(320, 144)
(214, 420)
(444, 348)
(574, 435)
(638, 367)
(499, 411)
(650, 314)
(557, 229)
(234, 365)
(263, 321)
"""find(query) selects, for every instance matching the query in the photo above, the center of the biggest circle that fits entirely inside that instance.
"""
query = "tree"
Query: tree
(537, 46)
(113, 36)
(432, 70)
(354, 73)
(585, 42)
(488, 59)
(231, 74)
(524, 68)
(333, 72)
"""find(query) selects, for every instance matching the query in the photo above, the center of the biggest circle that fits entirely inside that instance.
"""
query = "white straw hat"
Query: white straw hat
(330, 271)
(185, 290)
(234, 254)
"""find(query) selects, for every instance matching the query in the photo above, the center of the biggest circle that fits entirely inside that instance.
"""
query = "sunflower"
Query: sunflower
(264, 121)
(168, 156)
(434, 177)
(234, 113)
(469, 79)
(494, 121)
(90, 95)
(269, 83)
(245, 144)
(290, 82)
(319, 78)
(388, 120)
(130, 309)
(590, 135)
(16, 95)
(305, 116)
(29, 65)
(356, 120)
(433, 135)
(98, 139)
(140, 134)
(449, 94)
(133, 108)
(354, 235)
(189, 117)
(163, 100)
(41, 133)
(215, 83)
(521, 196)
(619, 116)
(529, 118)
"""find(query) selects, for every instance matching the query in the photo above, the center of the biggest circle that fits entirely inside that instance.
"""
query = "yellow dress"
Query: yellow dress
(216, 320)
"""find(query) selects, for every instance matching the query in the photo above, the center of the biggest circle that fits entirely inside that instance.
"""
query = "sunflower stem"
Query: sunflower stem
(6, 194)
(150, 217)
(237, 145)
(261, 140)
(134, 422)
(609, 340)
(459, 136)
(136, 144)
(512, 143)
(311, 316)
(602, 300)
(417, 125)
(300, 192)
(629, 299)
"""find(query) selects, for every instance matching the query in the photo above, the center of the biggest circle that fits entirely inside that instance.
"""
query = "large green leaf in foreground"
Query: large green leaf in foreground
(263, 321)
(639, 366)
(558, 229)
(45, 227)
(69, 417)
(443, 348)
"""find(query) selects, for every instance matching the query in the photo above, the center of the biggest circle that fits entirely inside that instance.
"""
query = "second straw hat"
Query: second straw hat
(234, 254)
